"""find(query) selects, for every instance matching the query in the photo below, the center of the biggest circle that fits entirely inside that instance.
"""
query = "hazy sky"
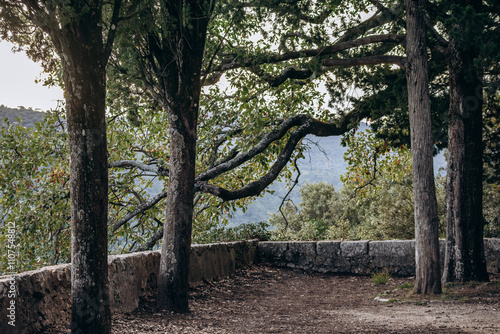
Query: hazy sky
(17, 82)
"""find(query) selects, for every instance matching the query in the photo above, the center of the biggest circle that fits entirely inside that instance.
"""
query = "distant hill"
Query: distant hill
(28, 116)
(324, 162)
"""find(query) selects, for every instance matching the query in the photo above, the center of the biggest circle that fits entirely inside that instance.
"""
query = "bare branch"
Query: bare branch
(112, 30)
(370, 60)
(291, 73)
(295, 182)
(323, 51)
(152, 241)
(139, 209)
(443, 43)
(160, 170)
(384, 15)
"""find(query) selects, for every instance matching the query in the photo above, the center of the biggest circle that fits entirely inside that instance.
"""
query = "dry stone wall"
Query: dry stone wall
(356, 257)
(43, 296)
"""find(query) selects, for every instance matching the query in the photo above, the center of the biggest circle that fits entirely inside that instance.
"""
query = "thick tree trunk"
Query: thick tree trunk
(428, 276)
(181, 60)
(174, 267)
(85, 90)
(464, 257)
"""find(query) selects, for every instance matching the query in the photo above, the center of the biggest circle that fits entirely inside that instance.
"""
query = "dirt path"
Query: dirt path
(269, 300)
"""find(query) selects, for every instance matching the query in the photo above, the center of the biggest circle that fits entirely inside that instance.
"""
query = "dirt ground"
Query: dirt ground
(269, 300)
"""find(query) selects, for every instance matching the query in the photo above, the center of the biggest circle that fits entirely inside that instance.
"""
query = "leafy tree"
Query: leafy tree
(34, 191)
(465, 33)
(464, 60)
(82, 36)
(174, 57)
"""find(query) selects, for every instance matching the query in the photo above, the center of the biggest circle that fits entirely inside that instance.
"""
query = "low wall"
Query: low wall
(356, 257)
(43, 295)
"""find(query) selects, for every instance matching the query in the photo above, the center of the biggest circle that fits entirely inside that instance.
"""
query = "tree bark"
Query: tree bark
(176, 245)
(428, 276)
(464, 257)
(181, 60)
(84, 74)
(76, 32)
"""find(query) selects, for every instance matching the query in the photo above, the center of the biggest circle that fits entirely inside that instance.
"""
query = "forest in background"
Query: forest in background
(323, 162)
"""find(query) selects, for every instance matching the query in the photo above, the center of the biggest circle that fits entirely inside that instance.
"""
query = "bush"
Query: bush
(247, 231)
(375, 202)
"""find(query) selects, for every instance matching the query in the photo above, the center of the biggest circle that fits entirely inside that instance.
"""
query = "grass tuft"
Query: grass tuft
(381, 277)
(406, 286)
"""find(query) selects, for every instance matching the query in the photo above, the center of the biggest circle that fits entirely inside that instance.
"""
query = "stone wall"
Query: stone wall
(356, 257)
(44, 294)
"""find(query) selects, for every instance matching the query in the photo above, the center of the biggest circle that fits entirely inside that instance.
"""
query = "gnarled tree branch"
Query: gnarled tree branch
(370, 60)
(323, 51)
(305, 125)
(158, 170)
(139, 209)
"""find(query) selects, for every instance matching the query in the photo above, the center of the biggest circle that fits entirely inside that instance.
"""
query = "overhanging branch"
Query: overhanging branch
(161, 171)
(305, 125)
(371, 60)
(323, 51)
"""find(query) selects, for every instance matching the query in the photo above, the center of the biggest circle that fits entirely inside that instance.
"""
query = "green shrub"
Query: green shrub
(241, 232)
(491, 210)
(375, 202)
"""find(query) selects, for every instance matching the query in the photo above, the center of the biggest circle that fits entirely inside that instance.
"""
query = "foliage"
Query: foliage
(248, 39)
(234, 117)
(491, 210)
(376, 201)
(34, 191)
(491, 158)
(247, 231)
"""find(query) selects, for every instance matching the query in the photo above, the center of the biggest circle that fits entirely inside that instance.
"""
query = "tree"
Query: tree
(76, 31)
(428, 271)
(170, 49)
(464, 259)
(460, 36)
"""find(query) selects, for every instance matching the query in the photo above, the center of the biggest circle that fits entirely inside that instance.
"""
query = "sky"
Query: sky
(17, 82)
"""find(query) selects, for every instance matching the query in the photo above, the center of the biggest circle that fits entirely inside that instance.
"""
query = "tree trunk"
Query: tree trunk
(464, 257)
(428, 276)
(181, 60)
(85, 90)
(176, 245)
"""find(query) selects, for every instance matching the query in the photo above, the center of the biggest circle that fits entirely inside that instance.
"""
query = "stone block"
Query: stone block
(329, 259)
(245, 252)
(301, 254)
(396, 255)
(356, 253)
(272, 253)
(131, 279)
(354, 249)
(492, 254)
